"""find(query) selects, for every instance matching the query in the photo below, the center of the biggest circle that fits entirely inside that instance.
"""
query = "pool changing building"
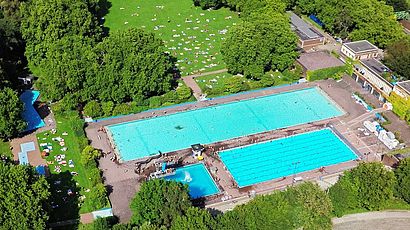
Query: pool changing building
(308, 36)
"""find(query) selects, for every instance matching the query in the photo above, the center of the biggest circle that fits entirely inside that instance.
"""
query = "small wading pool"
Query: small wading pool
(200, 182)
(274, 159)
(142, 138)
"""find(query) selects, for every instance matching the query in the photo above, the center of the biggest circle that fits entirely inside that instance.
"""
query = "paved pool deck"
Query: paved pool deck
(123, 181)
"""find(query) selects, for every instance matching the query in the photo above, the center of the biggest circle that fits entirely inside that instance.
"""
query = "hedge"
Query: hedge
(401, 106)
(332, 72)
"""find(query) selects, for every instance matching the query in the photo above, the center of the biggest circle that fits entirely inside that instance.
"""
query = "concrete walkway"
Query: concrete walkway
(392, 220)
(191, 83)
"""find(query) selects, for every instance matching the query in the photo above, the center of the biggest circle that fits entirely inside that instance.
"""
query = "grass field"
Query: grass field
(5, 149)
(190, 34)
(69, 206)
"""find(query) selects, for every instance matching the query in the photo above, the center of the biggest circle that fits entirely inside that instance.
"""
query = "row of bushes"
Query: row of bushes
(105, 109)
(370, 186)
(332, 72)
(401, 106)
(97, 197)
(236, 84)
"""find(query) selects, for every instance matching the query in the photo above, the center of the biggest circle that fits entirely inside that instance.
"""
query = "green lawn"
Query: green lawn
(190, 34)
(214, 85)
(72, 206)
(5, 149)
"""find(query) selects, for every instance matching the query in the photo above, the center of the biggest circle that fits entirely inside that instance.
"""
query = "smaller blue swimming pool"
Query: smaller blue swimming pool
(30, 114)
(200, 182)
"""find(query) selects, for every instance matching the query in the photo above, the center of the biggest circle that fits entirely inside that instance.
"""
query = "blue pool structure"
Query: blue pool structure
(200, 182)
(282, 157)
(142, 138)
(30, 114)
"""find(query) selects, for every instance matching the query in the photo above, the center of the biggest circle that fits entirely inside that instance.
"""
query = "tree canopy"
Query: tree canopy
(372, 20)
(262, 43)
(23, 197)
(11, 122)
(402, 174)
(397, 57)
(46, 21)
(367, 186)
(160, 202)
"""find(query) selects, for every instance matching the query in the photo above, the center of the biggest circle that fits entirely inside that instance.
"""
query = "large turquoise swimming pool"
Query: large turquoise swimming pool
(270, 160)
(197, 177)
(142, 138)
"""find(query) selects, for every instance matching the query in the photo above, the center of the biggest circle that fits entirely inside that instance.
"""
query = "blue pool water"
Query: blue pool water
(141, 138)
(265, 161)
(30, 114)
(200, 183)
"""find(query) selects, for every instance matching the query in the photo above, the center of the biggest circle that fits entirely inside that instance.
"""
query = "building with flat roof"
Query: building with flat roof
(370, 74)
(308, 35)
(402, 89)
(359, 50)
(318, 60)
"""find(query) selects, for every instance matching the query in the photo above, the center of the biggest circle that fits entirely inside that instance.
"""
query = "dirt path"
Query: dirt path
(392, 220)
(191, 83)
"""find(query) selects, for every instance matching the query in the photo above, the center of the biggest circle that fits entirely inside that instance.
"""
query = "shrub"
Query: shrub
(97, 197)
(107, 108)
(215, 91)
(89, 155)
(93, 109)
(94, 175)
(170, 96)
(267, 80)
(121, 109)
(155, 102)
(255, 84)
(184, 92)
(236, 84)
(344, 196)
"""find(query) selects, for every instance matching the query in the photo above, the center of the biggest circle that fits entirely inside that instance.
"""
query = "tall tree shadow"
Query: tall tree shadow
(65, 197)
(103, 9)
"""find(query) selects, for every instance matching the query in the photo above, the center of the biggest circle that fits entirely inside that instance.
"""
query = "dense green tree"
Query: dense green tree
(46, 21)
(263, 43)
(316, 206)
(66, 64)
(107, 108)
(11, 122)
(302, 207)
(368, 186)
(97, 197)
(397, 57)
(23, 197)
(375, 184)
(131, 64)
(402, 174)
(160, 202)
(194, 218)
(344, 196)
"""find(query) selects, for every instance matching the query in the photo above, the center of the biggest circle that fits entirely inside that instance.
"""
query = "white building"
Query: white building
(360, 50)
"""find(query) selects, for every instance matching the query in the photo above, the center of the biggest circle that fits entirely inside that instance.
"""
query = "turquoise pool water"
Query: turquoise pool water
(265, 161)
(30, 114)
(141, 138)
(200, 183)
